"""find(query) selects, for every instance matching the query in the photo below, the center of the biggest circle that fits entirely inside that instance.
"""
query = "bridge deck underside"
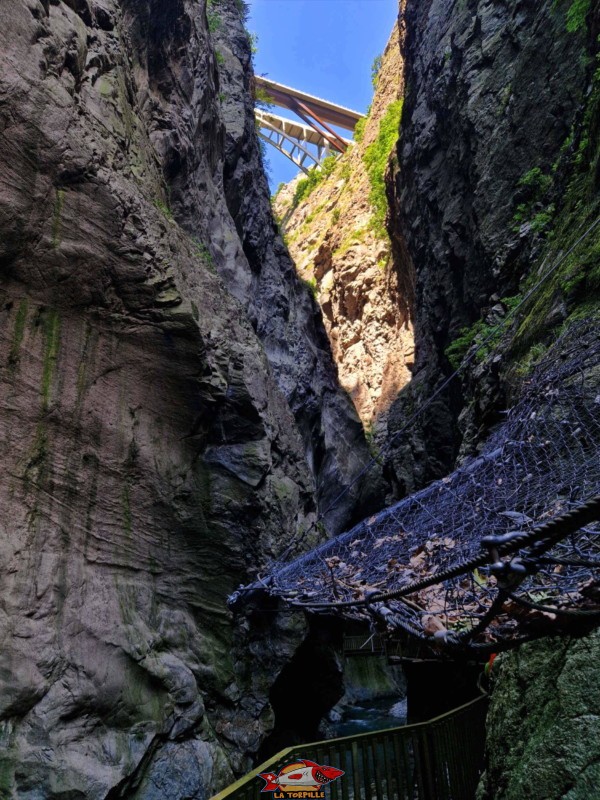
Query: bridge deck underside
(292, 129)
(292, 138)
(286, 97)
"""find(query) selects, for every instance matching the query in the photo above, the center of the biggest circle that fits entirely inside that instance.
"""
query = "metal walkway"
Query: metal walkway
(292, 138)
(441, 759)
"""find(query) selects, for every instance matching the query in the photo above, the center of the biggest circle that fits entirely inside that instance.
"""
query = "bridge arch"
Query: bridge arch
(309, 142)
(291, 140)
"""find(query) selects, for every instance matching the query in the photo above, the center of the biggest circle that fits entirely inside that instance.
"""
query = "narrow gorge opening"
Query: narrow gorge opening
(340, 682)
(248, 435)
(306, 689)
(333, 221)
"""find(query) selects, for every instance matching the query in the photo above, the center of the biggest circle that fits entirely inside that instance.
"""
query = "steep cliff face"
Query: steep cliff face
(153, 445)
(282, 310)
(169, 413)
(492, 93)
(338, 241)
(498, 179)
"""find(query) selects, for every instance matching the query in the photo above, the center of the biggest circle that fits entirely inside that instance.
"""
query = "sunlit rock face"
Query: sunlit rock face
(162, 427)
(347, 258)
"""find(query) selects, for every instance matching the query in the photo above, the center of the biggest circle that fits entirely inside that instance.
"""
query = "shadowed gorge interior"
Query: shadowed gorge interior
(293, 466)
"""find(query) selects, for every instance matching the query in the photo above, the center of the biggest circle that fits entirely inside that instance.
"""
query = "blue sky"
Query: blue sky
(324, 47)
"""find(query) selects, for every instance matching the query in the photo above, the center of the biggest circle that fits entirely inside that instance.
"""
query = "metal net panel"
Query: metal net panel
(541, 462)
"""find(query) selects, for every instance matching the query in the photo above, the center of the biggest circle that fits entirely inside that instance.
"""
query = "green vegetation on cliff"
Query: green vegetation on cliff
(51, 348)
(575, 286)
(19, 331)
(359, 128)
(576, 15)
(532, 189)
(376, 69)
(376, 159)
(317, 175)
(561, 206)
(478, 333)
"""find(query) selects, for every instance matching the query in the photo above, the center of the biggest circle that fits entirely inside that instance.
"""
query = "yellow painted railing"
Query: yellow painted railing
(440, 759)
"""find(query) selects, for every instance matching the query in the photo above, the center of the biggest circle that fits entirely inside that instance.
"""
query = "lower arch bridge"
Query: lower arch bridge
(293, 140)
(309, 141)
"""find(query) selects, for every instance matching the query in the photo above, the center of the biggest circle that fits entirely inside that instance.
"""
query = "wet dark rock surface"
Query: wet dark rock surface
(170, 417)
(543, 723)
(492, 90)
(163, 419)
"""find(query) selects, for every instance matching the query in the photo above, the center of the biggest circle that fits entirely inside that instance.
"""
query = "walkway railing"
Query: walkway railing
(441, 759)
(374, 645)
(363, 645)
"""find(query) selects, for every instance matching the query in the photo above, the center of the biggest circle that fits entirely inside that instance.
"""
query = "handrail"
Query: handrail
(243, 781)
(439, 759)
(361, 644)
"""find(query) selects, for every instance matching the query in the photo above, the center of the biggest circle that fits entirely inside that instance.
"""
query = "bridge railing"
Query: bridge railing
(441, 759)
(362, 645)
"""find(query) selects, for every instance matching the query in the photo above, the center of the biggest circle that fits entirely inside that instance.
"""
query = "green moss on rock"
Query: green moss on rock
(577, 15)
(371, 677)
(544, 722)
(50, 356)
(481, 333)
(19, 332)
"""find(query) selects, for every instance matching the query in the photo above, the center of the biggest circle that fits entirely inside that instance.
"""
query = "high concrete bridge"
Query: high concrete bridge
(294, 139)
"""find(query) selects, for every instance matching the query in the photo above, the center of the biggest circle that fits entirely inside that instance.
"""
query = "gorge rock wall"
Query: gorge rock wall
(498, 178)
(543, 723)
(281, 309)
(346, 258)
(170, 418)
(492, 92)
(161, 439)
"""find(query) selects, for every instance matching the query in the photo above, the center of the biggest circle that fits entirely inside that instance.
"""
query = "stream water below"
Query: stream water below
(369, 715)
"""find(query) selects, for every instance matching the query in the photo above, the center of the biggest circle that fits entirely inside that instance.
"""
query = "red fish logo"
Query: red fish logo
(302, 774)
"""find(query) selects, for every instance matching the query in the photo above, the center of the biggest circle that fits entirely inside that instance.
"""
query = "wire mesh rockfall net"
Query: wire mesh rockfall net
(541, 463)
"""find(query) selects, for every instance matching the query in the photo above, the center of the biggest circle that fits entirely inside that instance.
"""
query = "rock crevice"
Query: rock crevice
(340, 248)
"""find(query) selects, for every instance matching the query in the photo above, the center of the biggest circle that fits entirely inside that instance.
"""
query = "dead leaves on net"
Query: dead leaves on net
(435, 608)
(456, 605)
